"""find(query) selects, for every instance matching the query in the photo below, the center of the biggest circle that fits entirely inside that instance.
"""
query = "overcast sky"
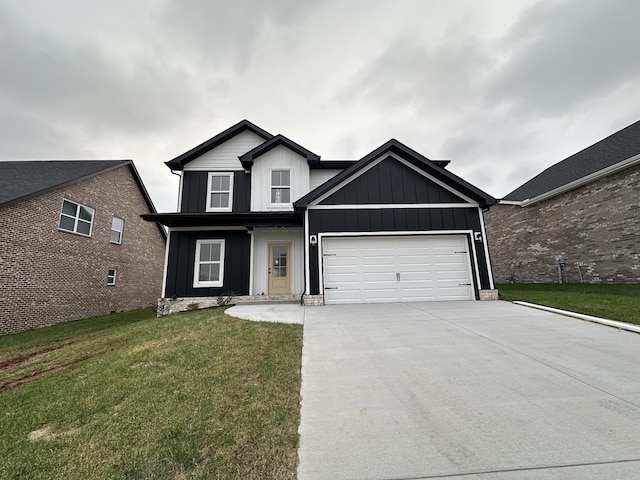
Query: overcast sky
(502, 88)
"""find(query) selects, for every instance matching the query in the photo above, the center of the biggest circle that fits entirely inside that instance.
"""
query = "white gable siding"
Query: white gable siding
(225, 156)
(318, 177)
(280, 158)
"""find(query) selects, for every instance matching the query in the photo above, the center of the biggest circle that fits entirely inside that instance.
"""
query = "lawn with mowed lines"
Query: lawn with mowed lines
(129, 395)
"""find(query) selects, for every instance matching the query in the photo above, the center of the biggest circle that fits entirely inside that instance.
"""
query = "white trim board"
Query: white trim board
(381, 206)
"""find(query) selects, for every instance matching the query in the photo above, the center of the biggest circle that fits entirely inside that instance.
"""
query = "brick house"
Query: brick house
(72, 243)
(577, 221)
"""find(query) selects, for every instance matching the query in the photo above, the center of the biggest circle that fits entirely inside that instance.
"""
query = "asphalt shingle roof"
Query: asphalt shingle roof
(22, 179)
(614, 149)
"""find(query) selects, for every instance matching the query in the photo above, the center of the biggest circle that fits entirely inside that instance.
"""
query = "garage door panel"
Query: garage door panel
(391, 269)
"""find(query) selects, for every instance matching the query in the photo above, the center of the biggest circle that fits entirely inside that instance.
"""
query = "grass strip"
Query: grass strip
(613, 302)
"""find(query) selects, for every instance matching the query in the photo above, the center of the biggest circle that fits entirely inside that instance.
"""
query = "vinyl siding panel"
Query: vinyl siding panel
(318, 177)
(279, 158)
(181, 262)
(225, 156)
(194, 192)
(262, 239)
(389, 182)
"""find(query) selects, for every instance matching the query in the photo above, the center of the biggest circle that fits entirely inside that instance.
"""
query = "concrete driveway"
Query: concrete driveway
(468, 390)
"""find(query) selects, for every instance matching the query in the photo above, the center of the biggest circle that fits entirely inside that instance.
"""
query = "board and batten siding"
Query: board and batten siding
(279, 158)
(225, 156)
(318, 177)
(262, 238)
(194, 192)
(182, 256)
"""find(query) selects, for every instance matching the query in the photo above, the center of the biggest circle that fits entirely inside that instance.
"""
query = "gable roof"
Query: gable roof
(248, 158)
(601, 156)
(394, 146)
(180, 161)
(24, 179)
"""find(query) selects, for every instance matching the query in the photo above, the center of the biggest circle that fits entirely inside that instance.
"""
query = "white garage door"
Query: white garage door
(396, 269)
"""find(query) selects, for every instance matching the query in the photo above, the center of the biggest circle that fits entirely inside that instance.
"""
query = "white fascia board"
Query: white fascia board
(382, 157)
(382, 206)
(510, 202)
(584, 180)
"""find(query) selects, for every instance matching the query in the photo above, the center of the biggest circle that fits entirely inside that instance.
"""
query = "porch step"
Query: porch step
(265, 299)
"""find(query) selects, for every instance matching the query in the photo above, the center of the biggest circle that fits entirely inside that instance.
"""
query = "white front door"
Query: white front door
(374, 269)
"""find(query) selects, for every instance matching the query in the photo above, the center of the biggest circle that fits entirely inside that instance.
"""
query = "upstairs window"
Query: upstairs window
(220, 192)
(117, 226)
(111, 276)
(209, 265)
(280, 187)
(76, 218)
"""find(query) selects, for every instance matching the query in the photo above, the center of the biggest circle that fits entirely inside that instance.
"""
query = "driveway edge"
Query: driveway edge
(603, 321)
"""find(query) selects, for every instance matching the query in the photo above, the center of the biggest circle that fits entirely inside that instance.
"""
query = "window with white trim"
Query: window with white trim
(209, 265)
(117, 226)
(76, 218)
(220, 192)
(280, 187)
(111, 276)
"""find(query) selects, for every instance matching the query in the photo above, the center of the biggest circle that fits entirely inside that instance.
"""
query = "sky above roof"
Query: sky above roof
(503, 89)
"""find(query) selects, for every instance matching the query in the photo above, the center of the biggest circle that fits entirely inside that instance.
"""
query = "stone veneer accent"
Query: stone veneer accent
(596, 228)
(49, 276)
(489, 295)
(313, 300)
(167, 306)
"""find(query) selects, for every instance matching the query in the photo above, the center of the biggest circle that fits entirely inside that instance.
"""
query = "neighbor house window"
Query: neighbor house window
(76, 218)
(220, 192)
(111, 276)
(280, 187)
(209, 265)
(117, 225)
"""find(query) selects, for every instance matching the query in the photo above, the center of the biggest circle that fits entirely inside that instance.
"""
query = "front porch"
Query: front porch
(167, 306)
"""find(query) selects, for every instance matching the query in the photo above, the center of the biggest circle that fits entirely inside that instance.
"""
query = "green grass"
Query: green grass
(195, 395)
(614, 302)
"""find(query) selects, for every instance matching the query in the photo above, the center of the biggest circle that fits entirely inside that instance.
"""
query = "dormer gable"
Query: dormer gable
(279, 140)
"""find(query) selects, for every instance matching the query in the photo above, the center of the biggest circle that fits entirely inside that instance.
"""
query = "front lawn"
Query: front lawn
(194, 395)
(614, 302)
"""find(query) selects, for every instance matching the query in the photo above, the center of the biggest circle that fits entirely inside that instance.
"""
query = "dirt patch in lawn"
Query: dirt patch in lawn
(11, 362)
(35, 376)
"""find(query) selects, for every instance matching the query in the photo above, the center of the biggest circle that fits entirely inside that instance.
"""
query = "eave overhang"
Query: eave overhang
(244, 219)
(248, 158)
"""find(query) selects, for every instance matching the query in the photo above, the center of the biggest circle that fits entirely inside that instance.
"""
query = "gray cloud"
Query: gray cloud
(562, 55)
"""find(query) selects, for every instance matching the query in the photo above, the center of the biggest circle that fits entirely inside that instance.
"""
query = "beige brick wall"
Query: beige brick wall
(49, 276)
(595, 227)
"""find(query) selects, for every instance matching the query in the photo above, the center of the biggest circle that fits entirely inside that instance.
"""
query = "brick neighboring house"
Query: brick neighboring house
(583, 209)
(72, 243)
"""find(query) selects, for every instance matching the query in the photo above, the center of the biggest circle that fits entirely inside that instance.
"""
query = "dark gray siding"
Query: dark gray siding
(194, 192)
(396, 220)
(391, 182)
(181, 261)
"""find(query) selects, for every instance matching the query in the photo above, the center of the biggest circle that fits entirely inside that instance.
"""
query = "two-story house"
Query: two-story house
(260, 215)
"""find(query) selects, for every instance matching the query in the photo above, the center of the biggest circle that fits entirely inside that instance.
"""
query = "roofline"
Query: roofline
(222, 219)
(180, 161)
(629, 162)
(70, 182)
(145, 195)
(400, 149)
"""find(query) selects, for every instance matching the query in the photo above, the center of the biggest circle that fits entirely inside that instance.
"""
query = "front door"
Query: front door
(279, 268)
